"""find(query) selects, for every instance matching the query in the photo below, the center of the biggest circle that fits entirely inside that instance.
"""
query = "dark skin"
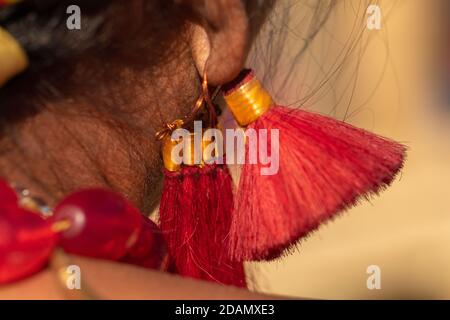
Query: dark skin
(93, 121)
(79, 144)
(98, 129)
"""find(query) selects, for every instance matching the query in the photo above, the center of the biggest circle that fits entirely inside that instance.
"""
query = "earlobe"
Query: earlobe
(200, 47)
(219, 38)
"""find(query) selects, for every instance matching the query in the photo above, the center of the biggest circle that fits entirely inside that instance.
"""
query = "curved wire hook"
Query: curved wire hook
(204, 98)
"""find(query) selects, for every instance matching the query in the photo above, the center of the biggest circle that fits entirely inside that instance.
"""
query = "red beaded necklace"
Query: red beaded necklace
(93, 222)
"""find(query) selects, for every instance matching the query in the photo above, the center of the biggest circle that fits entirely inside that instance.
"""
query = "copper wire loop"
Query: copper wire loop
(204, 98)
(169, 128)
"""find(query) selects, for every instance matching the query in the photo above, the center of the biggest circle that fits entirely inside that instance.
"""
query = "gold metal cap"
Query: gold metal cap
(248, 102)
(188, 154)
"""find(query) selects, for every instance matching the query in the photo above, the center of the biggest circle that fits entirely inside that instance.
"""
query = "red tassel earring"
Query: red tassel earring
(325, 166)
(196, 206)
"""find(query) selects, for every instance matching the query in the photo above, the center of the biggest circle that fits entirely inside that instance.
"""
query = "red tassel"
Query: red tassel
(325, 166)
(195, 215)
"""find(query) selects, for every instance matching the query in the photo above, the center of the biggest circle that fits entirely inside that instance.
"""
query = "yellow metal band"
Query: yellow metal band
(167, 146)
(13, 59)
(188, 153)
(248, 102)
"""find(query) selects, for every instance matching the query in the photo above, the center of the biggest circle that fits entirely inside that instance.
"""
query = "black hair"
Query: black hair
(112, 34)
(40, 28)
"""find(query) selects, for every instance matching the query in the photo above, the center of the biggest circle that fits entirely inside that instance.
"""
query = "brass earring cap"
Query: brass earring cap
(248, 101)
(188, 154)
(167, 146)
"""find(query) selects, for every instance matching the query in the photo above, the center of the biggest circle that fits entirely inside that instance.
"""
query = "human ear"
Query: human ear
(219, 37)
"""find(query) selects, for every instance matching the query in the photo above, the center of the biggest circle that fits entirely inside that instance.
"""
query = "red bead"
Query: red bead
(7, 194)
(26, 243)
(103, 224)
(150, 249)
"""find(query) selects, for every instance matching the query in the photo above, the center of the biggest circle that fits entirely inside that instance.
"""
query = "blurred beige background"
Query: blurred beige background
(386, 85)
